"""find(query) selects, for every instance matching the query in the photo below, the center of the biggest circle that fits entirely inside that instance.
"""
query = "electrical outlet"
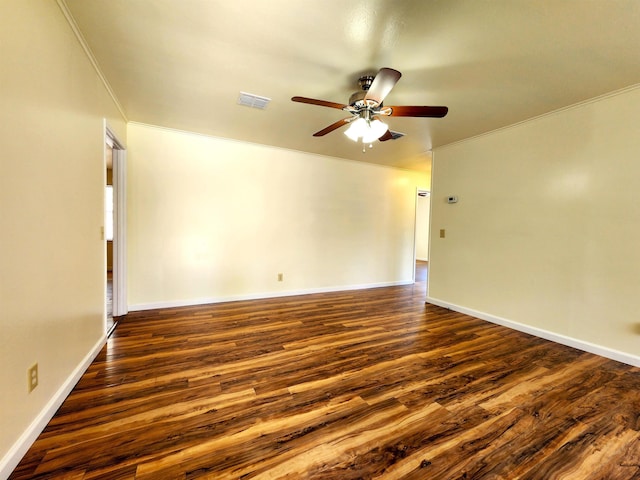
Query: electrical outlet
(32, 377)
(280, 277)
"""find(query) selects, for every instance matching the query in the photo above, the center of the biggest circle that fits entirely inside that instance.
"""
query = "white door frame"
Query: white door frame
(120, 304)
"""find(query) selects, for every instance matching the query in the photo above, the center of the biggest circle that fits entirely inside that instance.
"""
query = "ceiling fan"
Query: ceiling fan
(366, 108)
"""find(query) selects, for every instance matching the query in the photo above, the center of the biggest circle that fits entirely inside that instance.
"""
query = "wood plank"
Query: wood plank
(347, 385)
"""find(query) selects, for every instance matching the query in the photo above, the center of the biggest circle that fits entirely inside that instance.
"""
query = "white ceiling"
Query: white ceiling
(182, 63)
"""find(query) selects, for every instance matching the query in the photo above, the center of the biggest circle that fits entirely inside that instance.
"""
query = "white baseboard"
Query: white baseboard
(546, 334)
(259, 296)
(22, 445)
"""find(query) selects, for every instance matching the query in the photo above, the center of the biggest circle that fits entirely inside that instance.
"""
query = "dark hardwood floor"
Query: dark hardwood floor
(350, 385)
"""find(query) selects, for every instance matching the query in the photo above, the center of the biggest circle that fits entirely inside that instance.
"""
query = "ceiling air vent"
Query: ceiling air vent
(254, 101)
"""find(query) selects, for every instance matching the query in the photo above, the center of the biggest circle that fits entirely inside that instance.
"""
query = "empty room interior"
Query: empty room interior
(331, 240)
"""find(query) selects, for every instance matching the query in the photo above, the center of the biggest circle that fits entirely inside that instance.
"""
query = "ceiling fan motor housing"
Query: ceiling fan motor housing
(357, 99)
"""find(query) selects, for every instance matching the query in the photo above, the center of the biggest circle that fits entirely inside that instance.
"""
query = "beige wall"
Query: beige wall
(546, 232)
(212, 219)
(51, 209)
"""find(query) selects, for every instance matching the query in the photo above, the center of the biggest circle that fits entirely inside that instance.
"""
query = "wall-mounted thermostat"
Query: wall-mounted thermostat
(452, 199)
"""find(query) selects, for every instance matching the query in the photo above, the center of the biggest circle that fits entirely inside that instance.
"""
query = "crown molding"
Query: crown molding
(85, 46)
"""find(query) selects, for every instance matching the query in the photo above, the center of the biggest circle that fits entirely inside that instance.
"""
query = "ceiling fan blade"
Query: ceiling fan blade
(333, 126)
(390, 135)
(322, 103)
(387, 136)
(415, 111)
(382, 84)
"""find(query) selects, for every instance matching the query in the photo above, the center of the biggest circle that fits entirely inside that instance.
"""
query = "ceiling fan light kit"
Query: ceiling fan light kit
(365, 107)
(367, 130)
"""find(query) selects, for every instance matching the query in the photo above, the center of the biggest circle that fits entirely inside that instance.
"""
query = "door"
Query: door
(108, 232)
(119, 305)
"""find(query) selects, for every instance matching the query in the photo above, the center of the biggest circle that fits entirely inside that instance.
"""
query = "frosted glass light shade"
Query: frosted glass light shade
(368, 131)
(376, 130)
(356, 129)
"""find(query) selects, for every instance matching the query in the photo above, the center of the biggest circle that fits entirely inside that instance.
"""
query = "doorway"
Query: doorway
(108, 232)
(115, 230)
(423, 210)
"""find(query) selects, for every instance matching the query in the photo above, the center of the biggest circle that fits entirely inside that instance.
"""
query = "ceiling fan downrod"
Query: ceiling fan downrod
(365, 82)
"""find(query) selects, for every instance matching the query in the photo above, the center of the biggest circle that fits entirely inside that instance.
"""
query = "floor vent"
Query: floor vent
(253, 101)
